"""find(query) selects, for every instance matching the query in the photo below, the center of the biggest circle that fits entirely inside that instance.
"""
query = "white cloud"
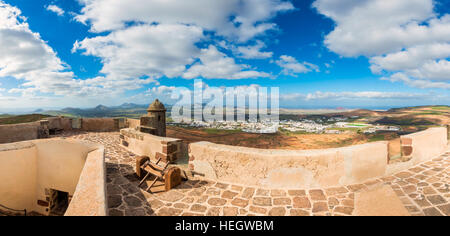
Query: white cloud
(410, 58)
(164, 41)
(357, 95)
(27, 57)
(292, 67)
(427, 62)
(160, 50)
(253, 51)
(435, 70)
(374, 27)
(419, 83)
(162, 90)
(216, 65)
(292, 96)
(144, 50)
(132, 56)
(402, 36)
(373, 95)
(236, 19)
(55, 9)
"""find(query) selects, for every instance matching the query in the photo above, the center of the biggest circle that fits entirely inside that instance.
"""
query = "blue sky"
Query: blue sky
(321, 53)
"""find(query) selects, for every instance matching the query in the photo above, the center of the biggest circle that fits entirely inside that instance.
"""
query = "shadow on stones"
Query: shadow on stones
(124, 195)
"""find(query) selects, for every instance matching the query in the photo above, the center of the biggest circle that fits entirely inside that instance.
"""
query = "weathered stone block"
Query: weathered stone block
(406, 141)
(147, 130)
(407, 150)
(170, 148)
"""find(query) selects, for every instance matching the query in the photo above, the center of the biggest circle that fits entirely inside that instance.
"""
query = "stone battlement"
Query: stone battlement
(155, 147)
(42, 129)
(312, 168)
(257, 167)
(235, 171)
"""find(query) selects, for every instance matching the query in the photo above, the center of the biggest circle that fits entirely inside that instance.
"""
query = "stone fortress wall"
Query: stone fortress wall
(133, 123)
(290, 168)
(312, 168)
(257, 167)
(155, 147)
(42, 129)
(20, 132)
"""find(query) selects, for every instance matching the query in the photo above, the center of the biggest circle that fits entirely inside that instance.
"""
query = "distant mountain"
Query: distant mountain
(131, 106)
(71, 110)
(101, 108)
(129, 110)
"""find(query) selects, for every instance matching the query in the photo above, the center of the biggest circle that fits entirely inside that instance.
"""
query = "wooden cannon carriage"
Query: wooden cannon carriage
(146, 168)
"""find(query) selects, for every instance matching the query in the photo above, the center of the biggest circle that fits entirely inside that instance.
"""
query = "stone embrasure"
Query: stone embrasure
(423, 190)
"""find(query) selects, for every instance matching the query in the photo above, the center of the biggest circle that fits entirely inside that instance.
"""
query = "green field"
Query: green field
(221, 131)
(9, 120)
(376, 138)
(445, 108)
(358, 125)
(430, 113)
(290, 133)
(347, 129)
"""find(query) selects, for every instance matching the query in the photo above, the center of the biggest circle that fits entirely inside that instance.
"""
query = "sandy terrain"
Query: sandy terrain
(410, 120)
(268, 141)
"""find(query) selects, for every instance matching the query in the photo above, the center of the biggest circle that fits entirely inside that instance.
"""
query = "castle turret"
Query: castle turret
(155, 121)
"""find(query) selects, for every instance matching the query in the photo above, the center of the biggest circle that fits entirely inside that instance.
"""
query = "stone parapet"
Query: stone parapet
(155, 147)
(100, 124)
(287, 168)
(133, 123)
(53, 125)
(422, 146)
(312, 168)
(20, 132)
(90, 198)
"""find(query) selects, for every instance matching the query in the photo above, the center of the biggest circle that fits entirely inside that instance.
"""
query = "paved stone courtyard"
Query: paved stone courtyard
(424, 190)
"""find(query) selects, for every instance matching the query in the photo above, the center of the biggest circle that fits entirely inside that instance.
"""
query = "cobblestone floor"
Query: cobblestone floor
(424, 190)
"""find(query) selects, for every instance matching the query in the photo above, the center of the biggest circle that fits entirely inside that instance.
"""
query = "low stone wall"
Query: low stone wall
(60, 123)
(448, 132)
(90, 197)
(18, 174)
(289, 169)
(99, 125)
(31, 170)
(312, 168)
(423, 146)
(133, 123)
(21, 132)
(155, 147)
(103, 124)
(42, 129)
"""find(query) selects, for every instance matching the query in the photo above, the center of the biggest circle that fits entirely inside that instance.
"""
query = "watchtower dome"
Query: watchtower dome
(155, 120)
